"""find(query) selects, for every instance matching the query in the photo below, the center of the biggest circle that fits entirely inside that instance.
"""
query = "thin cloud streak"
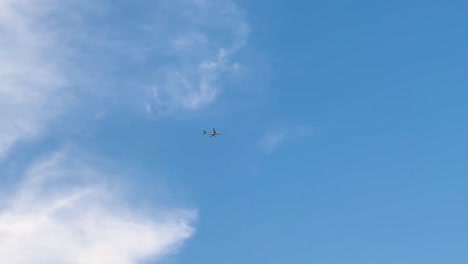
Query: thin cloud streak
(273, 138)
(63, 213)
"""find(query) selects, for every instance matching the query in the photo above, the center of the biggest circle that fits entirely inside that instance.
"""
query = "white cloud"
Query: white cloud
(273, 138)
(64, 213)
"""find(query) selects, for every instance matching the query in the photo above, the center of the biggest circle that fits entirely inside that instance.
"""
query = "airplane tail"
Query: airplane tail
(204, 132)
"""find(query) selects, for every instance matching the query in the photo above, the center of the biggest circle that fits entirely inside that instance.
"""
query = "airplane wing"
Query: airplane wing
(214, 131)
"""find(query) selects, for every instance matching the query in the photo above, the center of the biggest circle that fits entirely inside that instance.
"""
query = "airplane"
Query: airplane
(212, 134)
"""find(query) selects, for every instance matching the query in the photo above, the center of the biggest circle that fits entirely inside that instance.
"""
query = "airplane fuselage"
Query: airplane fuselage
(212, 134)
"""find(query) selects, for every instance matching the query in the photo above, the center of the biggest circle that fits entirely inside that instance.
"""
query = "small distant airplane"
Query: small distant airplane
(212, 134)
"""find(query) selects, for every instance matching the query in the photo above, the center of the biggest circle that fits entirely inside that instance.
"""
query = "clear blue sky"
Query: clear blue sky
(344, 124)
(382, 178)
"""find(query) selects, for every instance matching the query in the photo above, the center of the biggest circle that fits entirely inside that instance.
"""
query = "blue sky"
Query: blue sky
(343, 125)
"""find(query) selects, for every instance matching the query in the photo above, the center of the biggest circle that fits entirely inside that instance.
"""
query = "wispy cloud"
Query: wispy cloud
(273, 138)
(63, 212)
(32, 87)
(170, 58)
(201, 52)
